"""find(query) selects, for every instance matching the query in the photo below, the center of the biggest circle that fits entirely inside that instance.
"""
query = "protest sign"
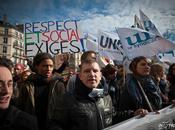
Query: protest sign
(54, 37)
(110, 46)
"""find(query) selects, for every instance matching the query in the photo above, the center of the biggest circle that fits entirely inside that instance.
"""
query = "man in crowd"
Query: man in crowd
(37, 93)
(11, 118)
(87, 107)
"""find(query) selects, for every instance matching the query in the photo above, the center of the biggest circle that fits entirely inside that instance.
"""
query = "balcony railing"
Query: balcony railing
(10, 34)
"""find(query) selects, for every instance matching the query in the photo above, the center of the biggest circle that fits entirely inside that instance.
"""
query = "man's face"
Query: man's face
(6, 87)
(18, 70)
(90, 74)
(45, 68)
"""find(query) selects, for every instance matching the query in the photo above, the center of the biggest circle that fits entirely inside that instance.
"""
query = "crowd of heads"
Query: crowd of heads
(90, 72)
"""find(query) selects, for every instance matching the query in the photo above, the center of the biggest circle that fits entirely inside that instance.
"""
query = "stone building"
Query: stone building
(12, 42)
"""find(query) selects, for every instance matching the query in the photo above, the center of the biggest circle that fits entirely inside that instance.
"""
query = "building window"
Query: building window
(4, 56)
(21, 36)
(15, 60)
(6, 31)
(4, 49)
(21, 45)
(16, 34)
(5, 40)
(15, 43)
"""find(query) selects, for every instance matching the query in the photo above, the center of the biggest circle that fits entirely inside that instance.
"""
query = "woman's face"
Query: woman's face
(143, 68)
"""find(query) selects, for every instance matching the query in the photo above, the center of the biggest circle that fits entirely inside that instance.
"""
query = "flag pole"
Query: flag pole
(145, 96)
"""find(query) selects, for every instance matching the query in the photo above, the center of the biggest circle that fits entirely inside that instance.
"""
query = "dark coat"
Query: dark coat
(37, 96)
(15, 119)
(81, 112)
(132, 97)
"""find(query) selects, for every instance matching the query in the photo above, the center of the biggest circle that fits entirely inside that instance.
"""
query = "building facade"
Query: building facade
(12, 42)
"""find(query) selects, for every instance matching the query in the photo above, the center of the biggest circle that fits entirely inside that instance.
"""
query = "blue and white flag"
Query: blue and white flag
(137, 42)
(167, 56)
(148, 24)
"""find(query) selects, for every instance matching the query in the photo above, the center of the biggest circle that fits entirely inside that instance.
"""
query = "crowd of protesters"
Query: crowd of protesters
(38, 98)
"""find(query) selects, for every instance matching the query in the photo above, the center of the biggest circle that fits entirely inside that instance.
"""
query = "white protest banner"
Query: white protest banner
(109, 45)
(165, 120)
(148, 25)
(167, 56)
(137, 42)
(54, 37)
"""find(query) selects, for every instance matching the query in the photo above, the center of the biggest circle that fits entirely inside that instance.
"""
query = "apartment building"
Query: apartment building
(12, 42)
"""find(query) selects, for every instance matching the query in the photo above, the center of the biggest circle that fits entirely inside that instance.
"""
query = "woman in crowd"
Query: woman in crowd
(141, 94)
(158, 75)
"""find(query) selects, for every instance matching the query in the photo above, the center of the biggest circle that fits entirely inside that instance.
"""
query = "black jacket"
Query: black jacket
(15, 119)
(37, 96)
(81, 112)
(132, 98)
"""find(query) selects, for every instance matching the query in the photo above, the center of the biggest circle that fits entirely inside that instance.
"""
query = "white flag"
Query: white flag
(148, 25)
(137, 42)
(138, 23)
(110, 45)
(167, 56)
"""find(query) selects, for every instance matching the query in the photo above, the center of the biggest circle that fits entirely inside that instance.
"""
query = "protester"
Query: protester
(88, 55)
(18, 69)
(110, 72)
(11, 118)
(88, 107)
(158, 75)
(141, 94)
(121, 76)
(37, 94)
(171, 79)
(23, 77)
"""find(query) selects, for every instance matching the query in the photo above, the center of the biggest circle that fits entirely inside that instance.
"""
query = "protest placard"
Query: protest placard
(54, 37)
